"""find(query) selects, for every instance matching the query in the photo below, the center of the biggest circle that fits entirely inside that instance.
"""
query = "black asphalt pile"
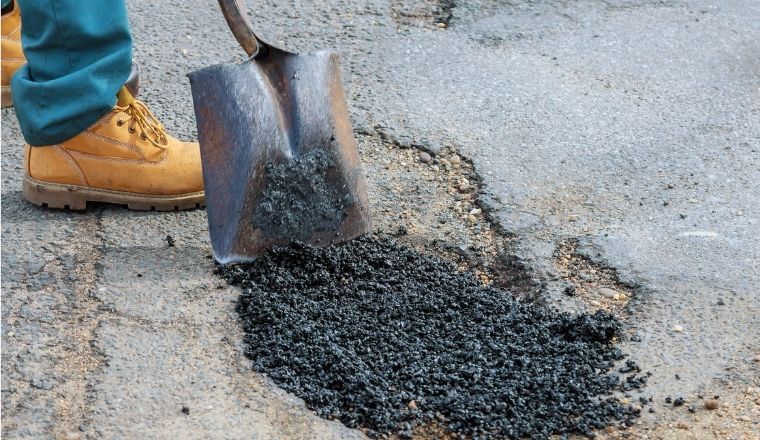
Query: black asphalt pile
(386, 339)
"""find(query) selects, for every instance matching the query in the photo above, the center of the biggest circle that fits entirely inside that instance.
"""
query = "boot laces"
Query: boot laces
(138, 115)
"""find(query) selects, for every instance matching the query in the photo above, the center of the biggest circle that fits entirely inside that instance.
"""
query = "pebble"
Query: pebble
(711, 404)
(471, 218)
(425, 157)
(757, 358)
(184, 51)
(455, 160)
(435, 168)
(677, 328)
(412, 405)
(476, 211)
(572, 218)
(607, 292)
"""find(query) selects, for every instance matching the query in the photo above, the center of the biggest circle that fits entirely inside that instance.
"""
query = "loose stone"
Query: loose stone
(711, 404)
(607, 292)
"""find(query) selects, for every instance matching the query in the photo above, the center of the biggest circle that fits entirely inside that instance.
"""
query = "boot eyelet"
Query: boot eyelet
(144, 137)
(131, 129)
(119, 122)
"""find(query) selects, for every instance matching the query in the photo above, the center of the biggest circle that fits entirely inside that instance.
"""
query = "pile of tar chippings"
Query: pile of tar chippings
(386, 339)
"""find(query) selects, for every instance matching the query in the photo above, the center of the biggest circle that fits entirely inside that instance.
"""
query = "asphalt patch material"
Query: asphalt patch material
(386, 339)
(303, 196)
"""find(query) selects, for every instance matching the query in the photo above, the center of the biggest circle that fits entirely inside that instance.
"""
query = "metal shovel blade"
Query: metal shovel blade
(280, 162)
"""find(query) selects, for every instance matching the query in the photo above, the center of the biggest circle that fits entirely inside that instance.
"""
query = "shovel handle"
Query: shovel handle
(234, 13)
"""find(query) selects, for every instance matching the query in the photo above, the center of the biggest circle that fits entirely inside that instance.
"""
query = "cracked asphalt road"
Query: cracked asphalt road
(631, 126)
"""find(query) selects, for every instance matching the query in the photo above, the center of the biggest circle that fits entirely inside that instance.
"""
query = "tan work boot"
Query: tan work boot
(125, 158)
(12, 57)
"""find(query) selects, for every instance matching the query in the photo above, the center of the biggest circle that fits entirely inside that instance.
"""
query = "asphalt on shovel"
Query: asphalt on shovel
(279, 157)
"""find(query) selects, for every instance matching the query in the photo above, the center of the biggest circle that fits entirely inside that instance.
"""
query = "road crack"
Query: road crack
(79, 358)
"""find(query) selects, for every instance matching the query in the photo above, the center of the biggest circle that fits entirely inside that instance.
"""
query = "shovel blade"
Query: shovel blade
(280, 162)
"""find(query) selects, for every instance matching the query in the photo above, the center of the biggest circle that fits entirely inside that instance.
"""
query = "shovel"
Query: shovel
(280, 162)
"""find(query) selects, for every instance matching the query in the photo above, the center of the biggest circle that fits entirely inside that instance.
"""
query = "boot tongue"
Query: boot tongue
(124, 97)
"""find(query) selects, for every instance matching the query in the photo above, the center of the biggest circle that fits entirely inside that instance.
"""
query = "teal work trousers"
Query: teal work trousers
(79, 54)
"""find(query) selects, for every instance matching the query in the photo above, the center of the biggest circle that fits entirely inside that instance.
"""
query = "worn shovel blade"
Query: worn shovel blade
(280, 162)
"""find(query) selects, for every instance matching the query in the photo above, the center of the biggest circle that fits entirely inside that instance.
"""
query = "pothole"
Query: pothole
(430, 326)
(386, 339)
(430, 202)
(597, 286)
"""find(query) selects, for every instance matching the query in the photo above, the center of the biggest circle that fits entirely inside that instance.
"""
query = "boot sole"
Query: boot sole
(7, 99)
(75, 198)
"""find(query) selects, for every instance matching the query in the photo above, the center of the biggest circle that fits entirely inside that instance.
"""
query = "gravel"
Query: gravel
(385, 339)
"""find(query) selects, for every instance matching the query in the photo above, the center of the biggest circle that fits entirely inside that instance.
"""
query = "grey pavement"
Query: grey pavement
(585, 118)
(632, 127)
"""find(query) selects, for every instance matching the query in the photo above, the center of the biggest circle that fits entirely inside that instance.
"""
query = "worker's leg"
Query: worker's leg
(93, 140)
(10, 48)
(79, 55)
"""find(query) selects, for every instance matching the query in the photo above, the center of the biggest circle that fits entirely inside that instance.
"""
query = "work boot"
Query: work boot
(11, 55)
(125, 158)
